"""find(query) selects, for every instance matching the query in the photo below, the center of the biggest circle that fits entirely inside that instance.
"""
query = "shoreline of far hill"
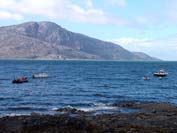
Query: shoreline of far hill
(150, 117)
(94, 60)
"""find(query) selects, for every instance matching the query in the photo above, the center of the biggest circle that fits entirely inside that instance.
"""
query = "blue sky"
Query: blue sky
(148, 26)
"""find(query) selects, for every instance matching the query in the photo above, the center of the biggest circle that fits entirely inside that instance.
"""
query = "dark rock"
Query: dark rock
(70, 110)
(154, 111)
(144, 122)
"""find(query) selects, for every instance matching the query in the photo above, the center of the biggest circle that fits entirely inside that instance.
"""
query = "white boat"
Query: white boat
(40, 75)
(146, 78)
(160, 73)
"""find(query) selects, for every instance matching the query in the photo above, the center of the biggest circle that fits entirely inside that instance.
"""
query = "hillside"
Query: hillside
(143, 56)
(47, 40)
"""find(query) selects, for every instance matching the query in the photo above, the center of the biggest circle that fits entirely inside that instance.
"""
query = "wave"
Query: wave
(99, 95)
(25, 108)
(99, 104)
(106, 86)
(15, 114)
(77, 104)
(56, 108)
(99, 109)
(10, 98)
(5, 79)
(94, 110)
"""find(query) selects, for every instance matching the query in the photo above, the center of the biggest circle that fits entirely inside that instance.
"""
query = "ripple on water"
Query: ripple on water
(80, 84)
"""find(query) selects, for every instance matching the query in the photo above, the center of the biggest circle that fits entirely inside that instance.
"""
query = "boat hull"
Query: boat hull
(40, 76)
(160, 75)
(20, 80)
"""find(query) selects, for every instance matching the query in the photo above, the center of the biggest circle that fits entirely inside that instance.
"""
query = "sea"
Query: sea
(84, 85)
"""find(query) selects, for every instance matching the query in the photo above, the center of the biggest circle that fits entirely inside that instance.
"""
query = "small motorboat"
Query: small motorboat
(146, 78)
(160, 73)
(20, 80)
(40, 75)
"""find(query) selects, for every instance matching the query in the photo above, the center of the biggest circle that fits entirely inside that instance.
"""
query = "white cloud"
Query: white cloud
(120, 3)
(132, 44)
(8, 15)
(96, 16)
(89, 3)
(60, 9)
(162, 48)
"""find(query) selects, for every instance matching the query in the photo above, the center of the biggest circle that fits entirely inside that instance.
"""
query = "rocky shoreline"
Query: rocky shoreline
(150, 117)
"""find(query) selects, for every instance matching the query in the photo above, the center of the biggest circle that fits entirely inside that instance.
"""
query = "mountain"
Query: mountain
(47, 40)
(143, 56)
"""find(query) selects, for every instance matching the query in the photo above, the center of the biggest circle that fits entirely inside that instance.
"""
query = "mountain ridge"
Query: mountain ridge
(47, 40)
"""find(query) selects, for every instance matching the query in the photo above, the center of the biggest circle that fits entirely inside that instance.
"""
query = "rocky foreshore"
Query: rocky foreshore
(150, 117)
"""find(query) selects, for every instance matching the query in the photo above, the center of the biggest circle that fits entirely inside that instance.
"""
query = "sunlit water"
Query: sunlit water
(82, 84)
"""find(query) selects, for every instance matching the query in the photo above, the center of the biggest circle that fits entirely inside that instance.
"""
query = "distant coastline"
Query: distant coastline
(43, 59)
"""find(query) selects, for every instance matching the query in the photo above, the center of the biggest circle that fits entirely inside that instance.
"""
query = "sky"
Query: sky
(148, 26)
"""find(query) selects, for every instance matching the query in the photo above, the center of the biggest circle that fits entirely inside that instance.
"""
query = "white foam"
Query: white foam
(96, 107)
(14, 114)
(99, 104)
(54, 109)
(100, 108)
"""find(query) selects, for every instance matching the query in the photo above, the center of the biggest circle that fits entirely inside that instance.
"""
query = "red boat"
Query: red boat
(20, 80)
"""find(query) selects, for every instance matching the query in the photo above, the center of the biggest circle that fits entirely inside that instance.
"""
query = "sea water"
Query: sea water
(82, 84)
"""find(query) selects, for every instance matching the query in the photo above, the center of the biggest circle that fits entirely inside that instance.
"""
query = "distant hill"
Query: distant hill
(143, 56)
(47, 40)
